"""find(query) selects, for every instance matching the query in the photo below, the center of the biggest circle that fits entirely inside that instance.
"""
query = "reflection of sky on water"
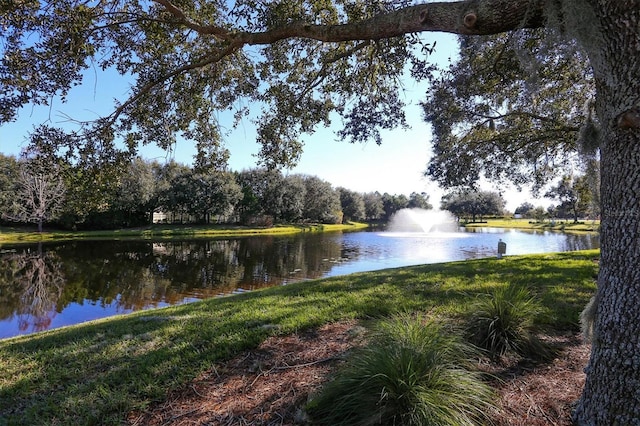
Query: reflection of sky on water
(380, 250)
(75, 313)
(98, 280)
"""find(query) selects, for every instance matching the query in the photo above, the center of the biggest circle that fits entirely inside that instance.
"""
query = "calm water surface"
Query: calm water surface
(52, 285)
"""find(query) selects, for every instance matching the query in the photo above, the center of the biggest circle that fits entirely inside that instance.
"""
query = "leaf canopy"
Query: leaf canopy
(191, 60)
(511, 108)
(302, 64)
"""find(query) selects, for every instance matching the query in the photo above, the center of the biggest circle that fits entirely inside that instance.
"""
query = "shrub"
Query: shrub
(503, 321)
(414, 372)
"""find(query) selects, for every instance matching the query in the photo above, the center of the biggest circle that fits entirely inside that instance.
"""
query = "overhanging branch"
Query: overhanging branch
(464, 17)
(211, 59)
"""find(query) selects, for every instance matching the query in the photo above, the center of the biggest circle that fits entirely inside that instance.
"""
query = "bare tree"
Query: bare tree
(42, 282)
(40, 195)
(304, 60)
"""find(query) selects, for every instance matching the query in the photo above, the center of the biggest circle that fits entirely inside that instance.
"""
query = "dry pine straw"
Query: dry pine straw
(269, 385)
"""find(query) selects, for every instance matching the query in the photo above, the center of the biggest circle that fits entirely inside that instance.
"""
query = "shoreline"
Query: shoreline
(98, 372)
(15, 235)
(528, 224)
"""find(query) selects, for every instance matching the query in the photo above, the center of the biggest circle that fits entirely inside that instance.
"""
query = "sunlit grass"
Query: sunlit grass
(567, 226)
(97, 372)
(28, 235)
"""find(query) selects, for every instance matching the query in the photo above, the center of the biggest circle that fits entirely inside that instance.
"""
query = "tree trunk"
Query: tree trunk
(612, 391)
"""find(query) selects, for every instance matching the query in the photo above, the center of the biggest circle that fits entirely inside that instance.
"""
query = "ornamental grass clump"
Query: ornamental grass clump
(413, 372)
(503, 322)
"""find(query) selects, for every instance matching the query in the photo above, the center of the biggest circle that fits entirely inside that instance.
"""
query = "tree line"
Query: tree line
(578, 196)
(555, 78)
(142, 191)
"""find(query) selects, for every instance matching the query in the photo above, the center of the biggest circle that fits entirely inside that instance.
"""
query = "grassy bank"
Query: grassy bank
(566, 226)
(28, 235)
(97, 372)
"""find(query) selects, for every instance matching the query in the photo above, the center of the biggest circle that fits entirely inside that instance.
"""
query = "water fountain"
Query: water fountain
(422, 221)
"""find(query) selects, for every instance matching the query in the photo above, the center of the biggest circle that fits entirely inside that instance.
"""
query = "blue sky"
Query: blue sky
(395, 167)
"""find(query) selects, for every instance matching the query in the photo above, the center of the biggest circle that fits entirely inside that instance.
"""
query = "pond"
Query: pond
(52, 285)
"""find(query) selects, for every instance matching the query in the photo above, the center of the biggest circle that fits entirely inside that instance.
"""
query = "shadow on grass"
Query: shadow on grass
(98, 372)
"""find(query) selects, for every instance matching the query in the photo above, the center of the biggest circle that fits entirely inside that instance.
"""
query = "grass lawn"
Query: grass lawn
(96, 373)
(29, 235)
(567, 226)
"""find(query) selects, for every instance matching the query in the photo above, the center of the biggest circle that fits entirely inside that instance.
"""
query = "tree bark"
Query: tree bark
(612, 391)
(609, 30)
(461, 17)
(610, 33)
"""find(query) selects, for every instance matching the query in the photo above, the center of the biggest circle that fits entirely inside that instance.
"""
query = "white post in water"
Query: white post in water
(502, 248)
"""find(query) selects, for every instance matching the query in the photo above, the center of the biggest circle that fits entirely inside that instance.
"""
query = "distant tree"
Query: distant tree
(214, 194)
(163, 175)
(574, 195)
(9, 172)
(136, 193)
(177, 199)
(262, 193)
(91, 194)
(293, 194)
(525, 209)
(419, 201)
(322, 202)
(39, 196)
(214, 191)
(373, 206)
(539, 213)
(352, 205)
(473, 204)
(249, 205)
(457, 204)
(393, 203)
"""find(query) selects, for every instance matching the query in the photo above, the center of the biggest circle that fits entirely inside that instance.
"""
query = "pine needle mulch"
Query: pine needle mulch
(271, 384)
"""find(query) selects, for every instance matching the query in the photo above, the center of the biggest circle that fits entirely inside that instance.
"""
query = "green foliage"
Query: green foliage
(503, 321)
(105, 368)
(373, 205)
(473, 203)
(393, 203)
(9, 172)
(414, 372)
(196, 61)
(511, 108)
(419, 201)
(576, 194)
(126, 195)
(525, 209)
(353, 206)
(322, 202)
(261, 193)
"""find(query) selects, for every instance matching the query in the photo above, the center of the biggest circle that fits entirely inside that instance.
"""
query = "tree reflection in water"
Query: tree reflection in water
(31, 284)
(56, 284)
(76, 281)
